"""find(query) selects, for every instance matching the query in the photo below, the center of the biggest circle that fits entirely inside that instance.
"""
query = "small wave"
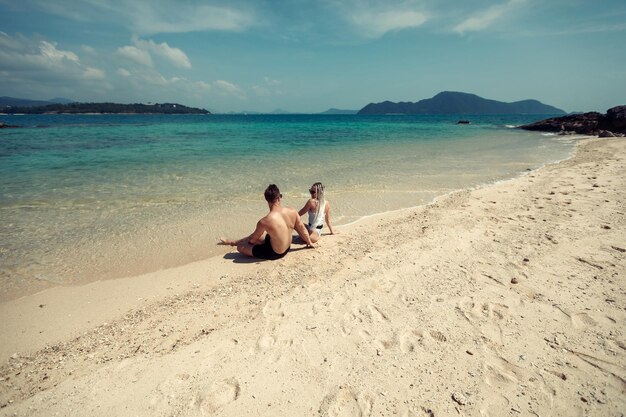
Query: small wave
(511, 126)
(548, 134)
(564, 140)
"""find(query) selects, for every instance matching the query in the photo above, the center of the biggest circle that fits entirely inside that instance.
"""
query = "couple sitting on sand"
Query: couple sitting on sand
(272, 237)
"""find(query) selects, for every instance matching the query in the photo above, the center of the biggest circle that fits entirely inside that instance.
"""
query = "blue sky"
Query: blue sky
(310, 55)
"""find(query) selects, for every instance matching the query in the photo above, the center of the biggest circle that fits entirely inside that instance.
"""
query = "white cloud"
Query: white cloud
(486, 18)
(202, 85)
(228, 88)
(135, 54)
(177, 17)
(88, 49)
(271, 82)
(152, 76)
(91, 73)
(32, 55)
(375, 18)
(150, 85)
(268, 88)
(7, 42)
(262, 91)
(143, 51)
(173, 55)
(376, 24)
(49, 51)
(152, 16)
(39, 67)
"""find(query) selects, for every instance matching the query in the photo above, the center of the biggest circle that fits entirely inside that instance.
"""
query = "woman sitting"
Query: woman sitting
(319, 210)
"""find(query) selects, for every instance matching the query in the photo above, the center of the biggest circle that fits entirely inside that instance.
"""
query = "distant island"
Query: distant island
(450, 102)
(104, 108)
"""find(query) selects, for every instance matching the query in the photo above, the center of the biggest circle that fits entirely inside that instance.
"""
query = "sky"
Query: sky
(311, 55)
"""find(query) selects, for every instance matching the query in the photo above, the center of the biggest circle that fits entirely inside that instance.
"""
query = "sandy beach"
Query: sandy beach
(504, 300)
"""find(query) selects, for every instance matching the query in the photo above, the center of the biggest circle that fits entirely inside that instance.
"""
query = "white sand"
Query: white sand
(507, 300)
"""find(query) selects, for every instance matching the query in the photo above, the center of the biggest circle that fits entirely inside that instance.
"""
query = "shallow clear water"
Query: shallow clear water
(86, 197)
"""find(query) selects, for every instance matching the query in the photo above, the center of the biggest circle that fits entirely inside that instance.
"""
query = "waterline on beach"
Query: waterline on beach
(117, 196)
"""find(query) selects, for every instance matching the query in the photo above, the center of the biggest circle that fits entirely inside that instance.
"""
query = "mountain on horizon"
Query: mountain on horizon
(62, 100)
(6, 101)
(279, 111)
(339, 111)
(452, 102)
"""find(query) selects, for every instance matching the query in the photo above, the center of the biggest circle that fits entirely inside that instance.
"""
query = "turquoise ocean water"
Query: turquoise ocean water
(87, 197)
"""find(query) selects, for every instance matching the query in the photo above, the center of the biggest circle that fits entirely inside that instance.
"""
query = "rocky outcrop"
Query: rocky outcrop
(6, 126)
(592, 123)
(614, 120)
(586, 124)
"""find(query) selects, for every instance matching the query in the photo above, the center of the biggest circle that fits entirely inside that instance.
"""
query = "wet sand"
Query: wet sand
(504, 300)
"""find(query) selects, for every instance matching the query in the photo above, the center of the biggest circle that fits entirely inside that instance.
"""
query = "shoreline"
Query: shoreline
(51, 280)
(423, 297)
(223, 252)
(162, 209)
(577, 138)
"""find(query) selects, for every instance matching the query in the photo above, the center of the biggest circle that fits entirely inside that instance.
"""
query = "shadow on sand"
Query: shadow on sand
(240, 258)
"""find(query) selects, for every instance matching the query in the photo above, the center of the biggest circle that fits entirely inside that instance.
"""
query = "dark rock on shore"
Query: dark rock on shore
(586, 123)
(606, 134)
(592, 123)
(615, 120)
(463, 122)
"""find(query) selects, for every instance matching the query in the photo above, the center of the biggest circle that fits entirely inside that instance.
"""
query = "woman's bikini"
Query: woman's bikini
(317, 223)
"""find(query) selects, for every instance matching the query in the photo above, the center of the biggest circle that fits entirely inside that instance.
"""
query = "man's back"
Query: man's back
(279, 224)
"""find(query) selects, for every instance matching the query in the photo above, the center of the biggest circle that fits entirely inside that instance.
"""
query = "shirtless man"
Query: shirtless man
(272, 236)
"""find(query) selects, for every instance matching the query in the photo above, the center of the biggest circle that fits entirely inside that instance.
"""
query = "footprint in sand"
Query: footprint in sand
(494, 405)
(365, 335)
(384, 344)
(411, 340)
(377, 313)
(504, 378)
(169, 391)
(350, 321)
(265, 342)
(468, 308)
(220, 394)
(360, 316)
(343, 402)
(495, 311)
(583, 320)
(273, 310)
(372, 313)
(484, 317)
(578, 320)
(501, 374)
(272, 348)
(437, 336)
